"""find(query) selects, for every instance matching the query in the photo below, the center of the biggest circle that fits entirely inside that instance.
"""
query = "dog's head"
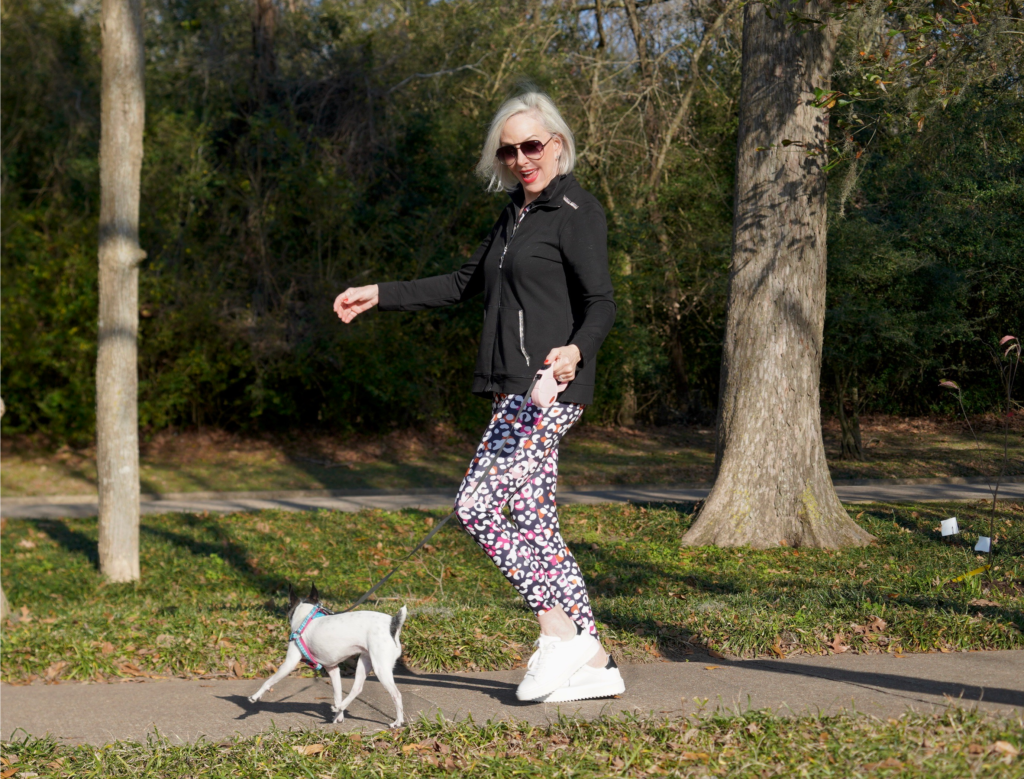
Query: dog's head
(294, 600)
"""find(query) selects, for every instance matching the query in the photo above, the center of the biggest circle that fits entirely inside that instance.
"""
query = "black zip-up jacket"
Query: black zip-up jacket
(545, 283)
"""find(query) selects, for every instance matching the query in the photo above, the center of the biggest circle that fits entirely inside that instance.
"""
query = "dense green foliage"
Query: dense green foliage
(343, 155)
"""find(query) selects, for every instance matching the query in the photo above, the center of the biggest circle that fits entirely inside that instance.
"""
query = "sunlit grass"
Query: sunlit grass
(754, 746)
(211, 600)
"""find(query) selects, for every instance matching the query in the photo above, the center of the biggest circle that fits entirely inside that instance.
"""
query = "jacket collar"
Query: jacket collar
(550, 197)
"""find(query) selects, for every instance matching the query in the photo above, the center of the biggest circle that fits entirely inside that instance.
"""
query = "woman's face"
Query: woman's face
(534, 175)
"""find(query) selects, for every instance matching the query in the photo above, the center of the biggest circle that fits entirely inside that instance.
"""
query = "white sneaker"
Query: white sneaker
(590, 682)
(554, 662)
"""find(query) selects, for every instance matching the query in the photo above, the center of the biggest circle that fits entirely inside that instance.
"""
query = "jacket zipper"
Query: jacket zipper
(515, 229)
(522, 338)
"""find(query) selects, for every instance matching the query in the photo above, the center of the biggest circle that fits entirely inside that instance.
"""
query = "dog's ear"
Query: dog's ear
(292, 597)
(314, 596)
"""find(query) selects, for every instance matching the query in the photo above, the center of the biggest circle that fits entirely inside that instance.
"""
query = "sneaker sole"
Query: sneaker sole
(568, 695)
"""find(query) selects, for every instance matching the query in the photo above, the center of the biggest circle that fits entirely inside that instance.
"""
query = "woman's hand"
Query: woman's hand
(354, 301)
(564, 360)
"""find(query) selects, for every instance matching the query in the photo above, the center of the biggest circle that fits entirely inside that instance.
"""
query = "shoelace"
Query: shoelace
(544, 645)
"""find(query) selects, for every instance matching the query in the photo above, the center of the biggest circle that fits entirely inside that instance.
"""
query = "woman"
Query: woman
(543, 270)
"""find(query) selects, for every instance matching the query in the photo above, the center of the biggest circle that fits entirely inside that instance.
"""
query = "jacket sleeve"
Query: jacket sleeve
(436, 291)
(585, 250)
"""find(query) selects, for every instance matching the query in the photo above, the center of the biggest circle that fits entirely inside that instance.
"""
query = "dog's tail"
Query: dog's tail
(396, 624)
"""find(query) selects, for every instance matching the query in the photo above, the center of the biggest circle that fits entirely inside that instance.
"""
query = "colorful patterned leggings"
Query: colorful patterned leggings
(520, 452)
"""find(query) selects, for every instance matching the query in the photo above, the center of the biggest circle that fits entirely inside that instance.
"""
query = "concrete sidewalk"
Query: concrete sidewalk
(878, 685)
(885, 491)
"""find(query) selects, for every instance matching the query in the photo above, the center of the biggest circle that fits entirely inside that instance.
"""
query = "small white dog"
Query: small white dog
(321, 638)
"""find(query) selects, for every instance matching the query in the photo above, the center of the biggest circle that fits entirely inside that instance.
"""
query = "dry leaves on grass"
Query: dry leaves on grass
(983, 602)
(889, 762)
(1006, 749)
(837, 644)
(309, 749)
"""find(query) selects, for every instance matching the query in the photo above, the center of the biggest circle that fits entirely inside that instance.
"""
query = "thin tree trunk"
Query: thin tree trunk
(849, 425)
(264, 61)
(5, 607)
(773, 485)
(117, 434)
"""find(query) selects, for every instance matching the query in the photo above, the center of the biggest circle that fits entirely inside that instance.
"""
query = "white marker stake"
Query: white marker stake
(949, 527)
(984, 544)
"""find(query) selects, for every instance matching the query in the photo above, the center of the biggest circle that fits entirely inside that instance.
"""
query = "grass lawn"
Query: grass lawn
(211, 460)
(950, 746)
(211, 600)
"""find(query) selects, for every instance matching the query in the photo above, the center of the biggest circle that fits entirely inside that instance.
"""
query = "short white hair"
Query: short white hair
(498, 175)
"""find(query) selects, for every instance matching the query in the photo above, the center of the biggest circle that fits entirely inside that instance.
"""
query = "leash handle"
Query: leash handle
(483, 477)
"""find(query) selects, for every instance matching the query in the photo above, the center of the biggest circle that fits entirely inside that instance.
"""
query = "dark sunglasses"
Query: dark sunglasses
(507, 155)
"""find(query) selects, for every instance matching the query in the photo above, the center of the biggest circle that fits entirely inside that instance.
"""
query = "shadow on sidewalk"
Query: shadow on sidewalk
(871, 679)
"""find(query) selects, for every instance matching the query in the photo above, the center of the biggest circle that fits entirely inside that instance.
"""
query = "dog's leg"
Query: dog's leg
(385, 675)
(337, 708)
(291, 660)
(362, 668)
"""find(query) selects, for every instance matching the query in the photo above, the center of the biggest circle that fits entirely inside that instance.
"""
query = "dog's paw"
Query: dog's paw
(254, 699)
(339, 715)
(396, 724)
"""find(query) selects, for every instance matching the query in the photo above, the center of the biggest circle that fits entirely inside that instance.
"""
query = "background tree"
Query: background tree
(117, 428)
(358, 164)
(772, 484)
(4, 605)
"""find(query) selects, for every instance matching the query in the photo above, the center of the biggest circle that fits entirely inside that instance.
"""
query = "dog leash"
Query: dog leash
(483, 477)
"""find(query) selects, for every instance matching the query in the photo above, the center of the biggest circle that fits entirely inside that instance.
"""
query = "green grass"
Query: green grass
(211, 600)
(949, 746)
(218, 461)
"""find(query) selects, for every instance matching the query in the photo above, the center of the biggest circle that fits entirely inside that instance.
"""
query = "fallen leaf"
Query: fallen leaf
(716, 655)
(1005, 748)
(618, 762)
(878, 624)
(8, 772)
(26, 544)
(54, 670)
(837, 644)
(107, 648)
(309, 749)
(711, 667)
(900, 657)
(889, 762)
(975, 749)
(983, 602)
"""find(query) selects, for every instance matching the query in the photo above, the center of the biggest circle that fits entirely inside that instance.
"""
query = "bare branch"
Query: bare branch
(475, 67)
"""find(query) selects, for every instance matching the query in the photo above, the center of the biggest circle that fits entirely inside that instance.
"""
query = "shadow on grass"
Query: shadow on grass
(227, 549)
(72, 540)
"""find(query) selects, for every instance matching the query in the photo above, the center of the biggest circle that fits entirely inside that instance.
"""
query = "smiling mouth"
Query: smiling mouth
(529, 176)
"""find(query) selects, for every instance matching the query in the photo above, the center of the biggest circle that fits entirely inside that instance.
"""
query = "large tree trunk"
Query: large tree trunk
(117, 433)
(773, 485)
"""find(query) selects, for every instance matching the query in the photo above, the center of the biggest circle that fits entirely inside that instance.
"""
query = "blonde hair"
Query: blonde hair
(498, 176)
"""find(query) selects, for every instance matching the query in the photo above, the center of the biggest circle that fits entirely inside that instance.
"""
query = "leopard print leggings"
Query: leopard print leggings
(519, 451)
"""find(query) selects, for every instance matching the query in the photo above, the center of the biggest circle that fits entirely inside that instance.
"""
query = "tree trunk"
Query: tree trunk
(850, 447)
(117, 434)
(5, 607)
(264, 62)
(773, 485)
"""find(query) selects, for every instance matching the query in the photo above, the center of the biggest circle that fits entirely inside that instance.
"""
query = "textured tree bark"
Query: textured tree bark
(773, 485)
(117, 434)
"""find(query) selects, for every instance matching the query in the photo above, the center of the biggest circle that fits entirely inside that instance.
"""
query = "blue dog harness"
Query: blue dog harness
(307, 656)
